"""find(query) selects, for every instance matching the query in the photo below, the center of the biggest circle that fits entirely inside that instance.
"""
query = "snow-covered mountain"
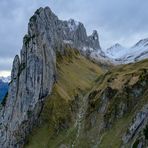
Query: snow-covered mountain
(116, 51)
(122, 55)
(138, 52)
(5, 79)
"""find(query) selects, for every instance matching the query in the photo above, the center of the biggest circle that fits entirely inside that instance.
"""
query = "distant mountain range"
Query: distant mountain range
(4, 81)
(122, 55)
(118, 54)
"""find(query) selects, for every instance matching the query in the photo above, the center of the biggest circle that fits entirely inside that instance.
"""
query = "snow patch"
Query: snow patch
(73, 25)
(67, 41)
(88, 49)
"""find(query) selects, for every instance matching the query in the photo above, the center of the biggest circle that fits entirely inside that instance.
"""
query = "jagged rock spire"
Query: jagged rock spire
(15, 68)
(94, 40)
(44, 21)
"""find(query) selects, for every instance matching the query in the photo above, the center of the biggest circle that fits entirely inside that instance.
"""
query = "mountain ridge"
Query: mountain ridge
(121, 55)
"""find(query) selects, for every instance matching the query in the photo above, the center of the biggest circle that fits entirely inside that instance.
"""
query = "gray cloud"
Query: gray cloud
(116, 21)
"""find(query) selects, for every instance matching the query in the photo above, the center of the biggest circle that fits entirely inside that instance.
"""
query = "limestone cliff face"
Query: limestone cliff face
(34, 72)
(32, 78)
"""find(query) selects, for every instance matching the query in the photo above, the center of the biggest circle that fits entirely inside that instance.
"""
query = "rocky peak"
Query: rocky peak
(44, 21)
(95, 35)
(116, 48)
(73, 25)
(94, 40)
(34, 73)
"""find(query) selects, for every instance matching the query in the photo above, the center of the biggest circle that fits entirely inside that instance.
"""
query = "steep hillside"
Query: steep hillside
(118, 108)
(76, 76)
(112, 113)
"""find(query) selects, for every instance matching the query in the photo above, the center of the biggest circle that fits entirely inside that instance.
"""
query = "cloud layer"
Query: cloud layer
(116, 21)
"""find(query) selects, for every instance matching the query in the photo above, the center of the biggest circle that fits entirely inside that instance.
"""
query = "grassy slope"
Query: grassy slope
(118, 79)
(76, 75)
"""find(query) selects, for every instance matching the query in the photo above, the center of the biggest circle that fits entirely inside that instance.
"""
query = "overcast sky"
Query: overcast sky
(122, 21)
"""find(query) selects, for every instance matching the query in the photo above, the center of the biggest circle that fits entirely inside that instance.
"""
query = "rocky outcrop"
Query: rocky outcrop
(94, 40)
(118, 105)
(34, 72)
(139, 121)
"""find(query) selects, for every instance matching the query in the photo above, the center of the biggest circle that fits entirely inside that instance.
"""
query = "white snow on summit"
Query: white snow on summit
(72, 24)
(138, 52)
(116, 51)
(121, 55)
